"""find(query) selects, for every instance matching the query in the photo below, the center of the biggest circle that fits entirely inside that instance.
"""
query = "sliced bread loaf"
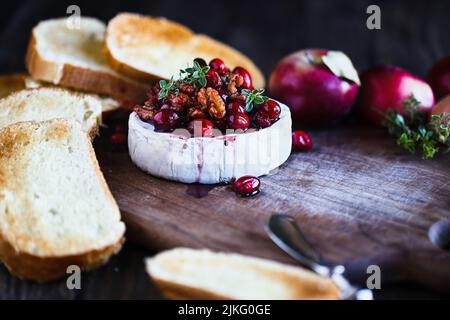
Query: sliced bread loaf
(55, 207)
(149, 48)
(75, 58)
(49, 103)
(201, 274)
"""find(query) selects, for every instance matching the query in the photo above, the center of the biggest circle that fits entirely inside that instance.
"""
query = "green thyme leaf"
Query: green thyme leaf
(195, 76)
(167, 87)
(253, 98)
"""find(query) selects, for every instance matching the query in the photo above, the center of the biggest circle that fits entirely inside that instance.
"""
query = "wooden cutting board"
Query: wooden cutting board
(358, 198)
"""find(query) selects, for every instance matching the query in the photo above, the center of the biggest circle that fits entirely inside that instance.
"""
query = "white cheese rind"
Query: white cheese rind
(209, 160)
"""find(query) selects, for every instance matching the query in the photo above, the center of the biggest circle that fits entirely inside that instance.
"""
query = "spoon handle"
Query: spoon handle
(283, 230)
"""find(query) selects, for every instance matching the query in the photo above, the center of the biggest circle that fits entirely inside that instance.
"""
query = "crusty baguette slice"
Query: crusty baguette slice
(201, 274)
(10, 83)
(50, 103)
(149, 47)
(55, 207)
(74, 58)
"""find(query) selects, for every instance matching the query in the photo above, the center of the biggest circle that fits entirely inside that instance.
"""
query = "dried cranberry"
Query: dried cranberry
(238, 120)
(272, 108)
(261, 119)
(200, 128)
(248, 84)
(246, 186)
(118, 138)
(235, 106)
(218, 65)
(201, 62)
(301, 141)
(166, 120)
(213, 79)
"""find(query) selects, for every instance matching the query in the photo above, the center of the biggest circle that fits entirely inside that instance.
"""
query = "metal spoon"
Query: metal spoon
(284, 231)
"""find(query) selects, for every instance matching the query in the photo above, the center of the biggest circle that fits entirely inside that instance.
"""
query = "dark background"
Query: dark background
(414, 34)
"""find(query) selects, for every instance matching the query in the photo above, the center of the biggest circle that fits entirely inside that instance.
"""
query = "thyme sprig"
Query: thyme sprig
(415, 134)
(167, 87)
(195, 76)
(253, 97)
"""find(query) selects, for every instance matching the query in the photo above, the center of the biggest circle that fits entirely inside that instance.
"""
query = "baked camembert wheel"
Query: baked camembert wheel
(208, 126)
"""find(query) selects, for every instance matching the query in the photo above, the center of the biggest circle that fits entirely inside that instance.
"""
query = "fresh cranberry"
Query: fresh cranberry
(164, 106)
(246, 186)
(221, 123)
(218, 65)
(261, 119)
(166, 120)
(118, 138)
(201, 62)
(272, 108)
(235, 106)
(200, 127)
(224, 94)
(247, 77)
(213, 79)
(238, 120)
(301, 141)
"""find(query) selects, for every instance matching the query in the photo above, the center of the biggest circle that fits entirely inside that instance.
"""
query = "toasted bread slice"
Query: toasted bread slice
(50, 103)
(149, 48)
(201, 274)
(55, 207)
(74, 58)
(10, 83)
(109, 105)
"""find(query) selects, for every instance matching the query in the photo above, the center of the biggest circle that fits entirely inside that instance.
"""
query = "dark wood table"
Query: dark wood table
(414, 34)
(124, 278)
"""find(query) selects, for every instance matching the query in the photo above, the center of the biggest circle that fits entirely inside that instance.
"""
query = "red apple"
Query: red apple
(386, 88)
(439, 78)
(442, 106)
(318, 85)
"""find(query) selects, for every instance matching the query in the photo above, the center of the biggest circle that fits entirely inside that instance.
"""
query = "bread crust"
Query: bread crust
(208, 45)
(93, 130)
(166, 271)
(129, 70)
(178, 291)
(39, 269)
(80, 78)
(10, 83)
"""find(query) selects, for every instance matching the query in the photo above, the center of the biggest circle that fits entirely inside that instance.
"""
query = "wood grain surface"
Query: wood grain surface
(358, 198)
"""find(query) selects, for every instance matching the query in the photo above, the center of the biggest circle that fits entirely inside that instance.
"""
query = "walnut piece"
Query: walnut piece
(145, 113)
(236, 80)
(196, 113)
(210, 98)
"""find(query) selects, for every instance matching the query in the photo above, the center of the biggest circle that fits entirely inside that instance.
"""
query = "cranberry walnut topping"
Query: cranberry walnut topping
(211, 95)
